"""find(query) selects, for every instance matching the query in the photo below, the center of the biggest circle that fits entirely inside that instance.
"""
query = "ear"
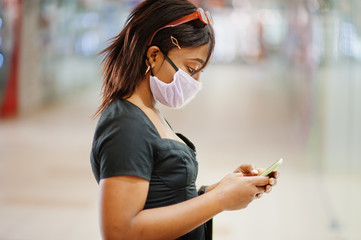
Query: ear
(154, 55)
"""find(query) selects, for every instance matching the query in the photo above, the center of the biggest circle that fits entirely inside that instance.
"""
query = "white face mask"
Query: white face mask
(177, 93)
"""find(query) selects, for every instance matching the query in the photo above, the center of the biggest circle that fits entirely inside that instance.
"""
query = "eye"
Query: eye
(191, 70)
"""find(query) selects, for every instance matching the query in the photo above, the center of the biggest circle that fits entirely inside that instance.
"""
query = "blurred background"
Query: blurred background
(284, 81)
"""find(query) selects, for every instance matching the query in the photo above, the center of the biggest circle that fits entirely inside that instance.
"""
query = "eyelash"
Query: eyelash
(191, 70)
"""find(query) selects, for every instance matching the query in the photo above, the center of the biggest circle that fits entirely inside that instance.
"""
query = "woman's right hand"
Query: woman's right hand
(236, 191)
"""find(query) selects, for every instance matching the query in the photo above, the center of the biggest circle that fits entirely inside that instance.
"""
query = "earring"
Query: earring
(147, 70)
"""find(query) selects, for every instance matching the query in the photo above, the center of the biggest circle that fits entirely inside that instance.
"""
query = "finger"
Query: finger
(242, 169)
(258, 195)
(274, 174)
(268, 189)
(259, 181)
(251, 170)
(248, 170)
(272, 181)
(260, 190)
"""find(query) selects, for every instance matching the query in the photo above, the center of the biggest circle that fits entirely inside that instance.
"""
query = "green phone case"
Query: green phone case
(273, 167)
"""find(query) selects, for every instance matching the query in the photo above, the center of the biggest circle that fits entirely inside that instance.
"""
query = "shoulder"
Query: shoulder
(123, 116)
(123, 125)
(121, 111)
(123, 142)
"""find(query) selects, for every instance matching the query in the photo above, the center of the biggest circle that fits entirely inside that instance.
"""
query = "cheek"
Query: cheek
(164, 74)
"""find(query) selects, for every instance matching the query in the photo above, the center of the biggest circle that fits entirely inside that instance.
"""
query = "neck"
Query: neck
(142, 96)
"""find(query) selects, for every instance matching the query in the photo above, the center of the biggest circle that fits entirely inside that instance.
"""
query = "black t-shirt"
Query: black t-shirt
(127, 143)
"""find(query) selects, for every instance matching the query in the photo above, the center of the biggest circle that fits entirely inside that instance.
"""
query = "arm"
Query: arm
(122, 200)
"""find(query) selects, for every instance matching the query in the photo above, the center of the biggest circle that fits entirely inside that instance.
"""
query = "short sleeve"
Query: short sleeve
(122, 146)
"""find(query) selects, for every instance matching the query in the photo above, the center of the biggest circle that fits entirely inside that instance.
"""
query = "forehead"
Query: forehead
(200, 52)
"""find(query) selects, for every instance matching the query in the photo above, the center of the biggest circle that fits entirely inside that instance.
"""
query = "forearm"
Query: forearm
(211, 187)
(122, 200)
(176, 220)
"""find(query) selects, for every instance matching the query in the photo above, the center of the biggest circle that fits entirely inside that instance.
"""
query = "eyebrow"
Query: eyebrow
(201, 61)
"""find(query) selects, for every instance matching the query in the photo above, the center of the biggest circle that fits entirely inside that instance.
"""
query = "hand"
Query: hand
(236, 191)
(272, 180)
(251, 170)
(245, 169)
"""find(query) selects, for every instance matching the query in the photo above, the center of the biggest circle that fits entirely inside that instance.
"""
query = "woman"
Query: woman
(145, 171)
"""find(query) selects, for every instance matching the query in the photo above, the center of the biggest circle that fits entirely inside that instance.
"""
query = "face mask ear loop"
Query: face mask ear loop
(170, 62)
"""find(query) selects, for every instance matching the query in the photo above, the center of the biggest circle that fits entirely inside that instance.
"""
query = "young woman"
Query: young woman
(145, 171)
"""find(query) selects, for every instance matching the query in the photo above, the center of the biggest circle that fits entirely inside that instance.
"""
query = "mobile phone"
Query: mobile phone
(273, 167)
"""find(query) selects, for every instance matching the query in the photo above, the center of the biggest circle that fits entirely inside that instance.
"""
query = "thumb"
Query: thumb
(247, 170)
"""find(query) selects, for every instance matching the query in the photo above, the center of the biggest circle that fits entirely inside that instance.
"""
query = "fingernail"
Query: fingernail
(272, 181)
(254, 171)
